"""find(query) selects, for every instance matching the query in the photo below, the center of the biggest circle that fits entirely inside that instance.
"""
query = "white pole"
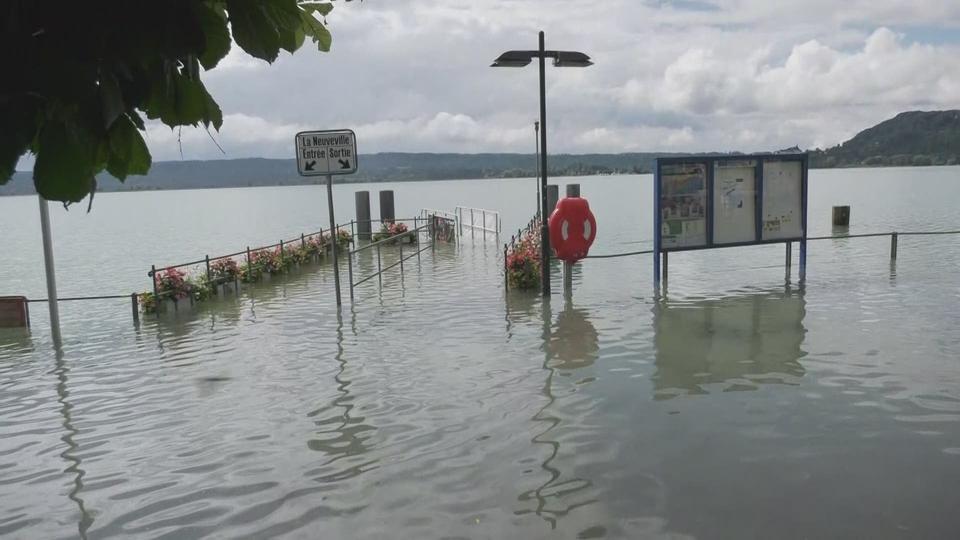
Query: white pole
(51, 273)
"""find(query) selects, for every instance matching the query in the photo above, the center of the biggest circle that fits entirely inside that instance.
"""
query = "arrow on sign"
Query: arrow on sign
(308, 166)
(344, 164)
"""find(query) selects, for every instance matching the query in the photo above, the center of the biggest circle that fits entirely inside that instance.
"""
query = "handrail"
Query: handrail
(387, 240)
(75, 298)
(459, 211)
(272, 246)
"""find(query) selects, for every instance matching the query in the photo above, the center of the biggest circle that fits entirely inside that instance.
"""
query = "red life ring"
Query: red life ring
(572, 229)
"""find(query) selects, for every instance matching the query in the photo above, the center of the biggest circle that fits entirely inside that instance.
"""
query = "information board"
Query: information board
(734, 201)
(683, 205)
(782, 206)
(711, 201)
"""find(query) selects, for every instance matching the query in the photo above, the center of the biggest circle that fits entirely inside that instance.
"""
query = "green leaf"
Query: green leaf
(323, 9)
(214, 23)
(316, 30)
(128, 152)
(253, 31)
(111, 99)
(64, 170)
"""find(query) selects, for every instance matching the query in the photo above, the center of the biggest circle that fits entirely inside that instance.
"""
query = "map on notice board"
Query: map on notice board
(683, 205)
(734, 201)
(782, 200)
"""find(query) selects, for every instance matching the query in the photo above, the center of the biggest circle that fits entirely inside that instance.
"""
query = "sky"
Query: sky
(681, 75)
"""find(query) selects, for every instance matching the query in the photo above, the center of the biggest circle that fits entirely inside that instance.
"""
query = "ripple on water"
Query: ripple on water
(437, 407)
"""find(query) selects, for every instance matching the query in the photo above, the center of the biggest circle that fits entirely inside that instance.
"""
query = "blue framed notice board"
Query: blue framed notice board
(713, 201)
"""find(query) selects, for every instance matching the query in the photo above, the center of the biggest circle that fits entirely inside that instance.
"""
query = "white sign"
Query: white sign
(734, 202)
(320, 153)
(782, 196)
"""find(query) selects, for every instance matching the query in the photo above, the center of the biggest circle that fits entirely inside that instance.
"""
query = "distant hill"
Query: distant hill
(910, 138)
(372, 168)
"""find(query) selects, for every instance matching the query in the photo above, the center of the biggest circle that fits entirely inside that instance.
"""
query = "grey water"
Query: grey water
(741, 404)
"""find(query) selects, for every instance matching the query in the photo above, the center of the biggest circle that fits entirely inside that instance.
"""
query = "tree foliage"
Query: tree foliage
(82, 77)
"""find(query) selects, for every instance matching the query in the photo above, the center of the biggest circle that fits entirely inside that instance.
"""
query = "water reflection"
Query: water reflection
(570, 343)
(70, 454)
(340, 434)
(728, 344)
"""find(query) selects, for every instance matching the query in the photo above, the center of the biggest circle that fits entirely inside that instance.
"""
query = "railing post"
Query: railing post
(136, 308)
(401, 260)
(303, 241)
(471, 223)
(506, 284)
(350, 273)
(379, 271)
(666, 265)
(353, 234)
(248, 257)
(156, 297)
(483, 216)
(893, 246)
(206, 260)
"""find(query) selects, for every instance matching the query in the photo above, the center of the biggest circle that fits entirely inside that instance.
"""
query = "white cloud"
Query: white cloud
(412, 75)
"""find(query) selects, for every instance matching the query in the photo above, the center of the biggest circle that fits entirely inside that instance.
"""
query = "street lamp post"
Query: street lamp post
(560, 59)
(536, 146)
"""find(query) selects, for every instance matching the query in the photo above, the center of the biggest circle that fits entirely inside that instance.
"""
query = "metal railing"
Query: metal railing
(477, 219)
(429, 228)
(532, 226)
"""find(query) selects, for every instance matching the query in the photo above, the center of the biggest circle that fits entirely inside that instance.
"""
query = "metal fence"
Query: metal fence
(477, 219)
(433, 223)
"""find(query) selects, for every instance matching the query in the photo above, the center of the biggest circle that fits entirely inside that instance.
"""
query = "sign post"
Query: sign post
(327, 153)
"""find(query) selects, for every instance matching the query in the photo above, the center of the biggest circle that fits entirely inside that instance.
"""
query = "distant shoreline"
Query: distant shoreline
(396, 181)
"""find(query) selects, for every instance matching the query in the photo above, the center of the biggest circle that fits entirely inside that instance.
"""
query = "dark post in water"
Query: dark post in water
(386, 206)
(553, 195)
(841, 216)
(363, 214)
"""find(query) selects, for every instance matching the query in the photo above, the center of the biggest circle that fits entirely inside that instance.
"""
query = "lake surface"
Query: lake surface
(740, 405)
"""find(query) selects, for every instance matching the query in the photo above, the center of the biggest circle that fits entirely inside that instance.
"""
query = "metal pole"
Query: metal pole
(506, 284)
(51, 273)
(666, 265)
(544, 227)
(207, 261)
(567, 277)
(803, 259)
(136, 308)
(789, 257)
(379, 271)
(401, 260)
(536, 137)
(156, 297)
(471, 223)
(350, 273)
(333, 238)
(483, 216)
(893, 246)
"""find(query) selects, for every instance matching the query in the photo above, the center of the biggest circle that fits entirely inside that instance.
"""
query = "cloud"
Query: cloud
(680, 75)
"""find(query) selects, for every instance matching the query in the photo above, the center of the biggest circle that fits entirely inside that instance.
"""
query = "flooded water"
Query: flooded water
(740, 405)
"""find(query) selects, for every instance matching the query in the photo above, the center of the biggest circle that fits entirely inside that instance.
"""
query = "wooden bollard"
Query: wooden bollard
(841, 216)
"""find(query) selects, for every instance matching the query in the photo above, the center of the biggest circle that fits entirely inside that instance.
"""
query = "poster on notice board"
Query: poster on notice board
(782, 200)
(734, 201)
(683, 205)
